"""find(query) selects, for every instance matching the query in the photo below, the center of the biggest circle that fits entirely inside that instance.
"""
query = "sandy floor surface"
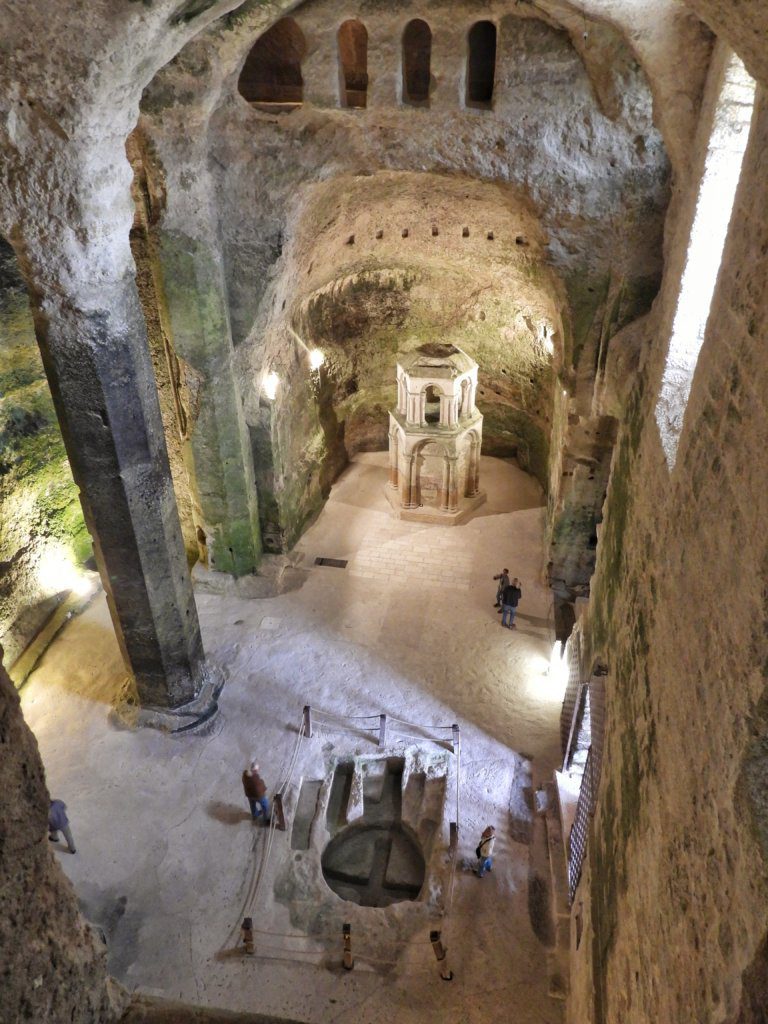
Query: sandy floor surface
(168, 860)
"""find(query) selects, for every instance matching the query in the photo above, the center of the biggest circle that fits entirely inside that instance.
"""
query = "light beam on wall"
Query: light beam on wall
(56, 573)
(717, 192)
(270, 385)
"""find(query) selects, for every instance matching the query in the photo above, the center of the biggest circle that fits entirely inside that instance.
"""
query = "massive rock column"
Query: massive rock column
(223, 473)
(94, 348)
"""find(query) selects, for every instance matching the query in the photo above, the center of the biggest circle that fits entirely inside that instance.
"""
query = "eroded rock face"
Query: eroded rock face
(53, 966)
(571, 144)
(676, 883)
(42, 533)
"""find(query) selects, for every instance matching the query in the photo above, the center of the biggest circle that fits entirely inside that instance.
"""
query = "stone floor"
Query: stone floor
(168, 860)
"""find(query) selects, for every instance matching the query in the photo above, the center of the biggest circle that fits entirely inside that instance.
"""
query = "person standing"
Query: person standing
(503, 578)
(484, 850)
(509, 600)
(255, 790)
(59, 822)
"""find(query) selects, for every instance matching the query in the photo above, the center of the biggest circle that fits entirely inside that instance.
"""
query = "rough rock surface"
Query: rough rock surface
(42, 532)
(675, 889)
(53, 965)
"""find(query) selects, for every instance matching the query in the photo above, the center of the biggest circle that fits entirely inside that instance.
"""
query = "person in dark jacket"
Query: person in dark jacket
(509, 600)
(59, 822)
(256, 791)
(503, 581)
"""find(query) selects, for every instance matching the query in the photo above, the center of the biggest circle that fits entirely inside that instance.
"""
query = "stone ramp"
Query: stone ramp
(144, 1010)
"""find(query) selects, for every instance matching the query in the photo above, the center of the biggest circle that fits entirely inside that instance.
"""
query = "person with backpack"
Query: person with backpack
(509, 600)
(484, 851)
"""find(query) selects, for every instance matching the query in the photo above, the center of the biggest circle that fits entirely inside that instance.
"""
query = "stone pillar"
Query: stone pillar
(218, 441)
(449, 500)
(393, 458)
(414, 415)
(96, 358)
(473, 469)
(465, 406)
(446, 408)
(402, 397)
(406, 482)
(453, 483)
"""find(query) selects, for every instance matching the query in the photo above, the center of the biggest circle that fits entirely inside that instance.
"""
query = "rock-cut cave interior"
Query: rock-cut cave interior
(383, 503)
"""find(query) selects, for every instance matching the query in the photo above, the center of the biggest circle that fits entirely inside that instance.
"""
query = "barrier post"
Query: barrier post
(456, 732)
(279, 812)
(441, 954)
(246, 934)
(307, 721)
(348, 960)
(382, 730)
(454, 833)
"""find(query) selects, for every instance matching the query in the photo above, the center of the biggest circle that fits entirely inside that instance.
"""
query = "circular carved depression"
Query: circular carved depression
(374, 865)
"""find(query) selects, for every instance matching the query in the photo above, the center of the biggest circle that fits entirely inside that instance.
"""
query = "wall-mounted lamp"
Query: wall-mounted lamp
(269, 385)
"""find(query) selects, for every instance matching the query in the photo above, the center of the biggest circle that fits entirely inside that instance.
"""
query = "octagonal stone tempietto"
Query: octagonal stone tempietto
(435, 436)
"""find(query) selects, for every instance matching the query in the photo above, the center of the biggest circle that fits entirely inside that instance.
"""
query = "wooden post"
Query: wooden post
(454, 834)
(382, 730)
(348, 961)
(279, 812)
(456, 732)
(307, 721)
(441, 954)
(246, 934)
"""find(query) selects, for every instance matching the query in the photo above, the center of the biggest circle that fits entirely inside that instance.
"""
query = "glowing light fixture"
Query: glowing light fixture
(269, 384)
(57, 573)
(316, 358)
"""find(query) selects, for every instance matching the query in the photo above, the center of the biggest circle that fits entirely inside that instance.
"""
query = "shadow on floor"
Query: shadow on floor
(227, 814)
(151, 1011)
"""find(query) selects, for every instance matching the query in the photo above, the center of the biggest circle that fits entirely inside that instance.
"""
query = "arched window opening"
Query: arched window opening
(729, 133)
(417, 54)
(353, 60)
(271, 76)
(481, 64)
(432, 405)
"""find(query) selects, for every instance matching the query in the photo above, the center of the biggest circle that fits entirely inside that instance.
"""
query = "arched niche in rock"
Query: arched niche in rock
(271, 77)
(353, 63)
(417, 55)
(481, 64)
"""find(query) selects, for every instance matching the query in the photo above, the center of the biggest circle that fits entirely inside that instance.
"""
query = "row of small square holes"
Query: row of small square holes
(520, 240)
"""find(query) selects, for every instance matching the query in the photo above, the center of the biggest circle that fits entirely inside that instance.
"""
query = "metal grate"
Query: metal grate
(332, 563)
(572, 698)
(585, 808)
(577, 842)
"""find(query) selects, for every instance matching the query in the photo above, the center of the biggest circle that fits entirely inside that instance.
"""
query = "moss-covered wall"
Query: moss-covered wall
(42, 531)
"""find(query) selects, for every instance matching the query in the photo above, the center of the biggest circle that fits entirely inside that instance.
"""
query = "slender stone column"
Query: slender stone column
(393, 459)
(446, 484)
(402, 397)
(446, 405)
(414, 414)
(465, 389)
(473, 470)
(96, 358)
(453, 481)
(406, 482)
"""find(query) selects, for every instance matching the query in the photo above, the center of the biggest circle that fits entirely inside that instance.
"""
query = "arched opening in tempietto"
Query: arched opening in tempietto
(271, 76)
(432, 405)
(353, 63)
(417, 55)
(481, 64)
